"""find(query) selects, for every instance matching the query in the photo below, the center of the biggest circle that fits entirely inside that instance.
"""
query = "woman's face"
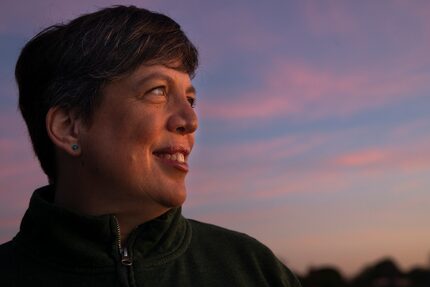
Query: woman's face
(137, 145)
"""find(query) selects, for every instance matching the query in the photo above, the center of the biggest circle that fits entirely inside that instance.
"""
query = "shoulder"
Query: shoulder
(240, 252)
(217, 235)
(203, 228)
(6, 252)
(7, 262)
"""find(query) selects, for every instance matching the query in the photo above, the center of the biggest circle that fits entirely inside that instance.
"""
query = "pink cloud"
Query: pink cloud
(301, 91)
(9, 222)
(20, 172)
(266, 149)
(242, 165)
(19, 168)
(273, 168)
(361, 158)
(290, 88)
(407, 158)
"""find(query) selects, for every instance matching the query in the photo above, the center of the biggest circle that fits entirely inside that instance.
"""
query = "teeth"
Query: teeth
(179, 157)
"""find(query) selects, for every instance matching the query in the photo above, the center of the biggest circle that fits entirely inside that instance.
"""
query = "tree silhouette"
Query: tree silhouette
(324, 277)
(384, 273)
(419, 277)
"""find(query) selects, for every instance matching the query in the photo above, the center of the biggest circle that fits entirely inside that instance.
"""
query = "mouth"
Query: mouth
(175, 157)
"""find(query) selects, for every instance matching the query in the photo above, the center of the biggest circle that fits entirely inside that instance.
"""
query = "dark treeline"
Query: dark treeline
(384, 273)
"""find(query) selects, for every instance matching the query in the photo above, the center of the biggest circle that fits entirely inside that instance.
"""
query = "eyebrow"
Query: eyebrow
(191, 90)
(156, 75)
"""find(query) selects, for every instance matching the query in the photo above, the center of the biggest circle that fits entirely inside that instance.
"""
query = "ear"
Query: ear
(63, 129)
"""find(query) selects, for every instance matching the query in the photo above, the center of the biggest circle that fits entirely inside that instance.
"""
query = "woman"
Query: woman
(108, 102)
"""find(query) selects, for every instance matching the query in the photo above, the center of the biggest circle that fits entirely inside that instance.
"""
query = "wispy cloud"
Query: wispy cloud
(306, 163)
(408, 158)
(301, 91)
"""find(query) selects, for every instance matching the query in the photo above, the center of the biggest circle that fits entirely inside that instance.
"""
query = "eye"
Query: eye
(192, 101)
(159, 91)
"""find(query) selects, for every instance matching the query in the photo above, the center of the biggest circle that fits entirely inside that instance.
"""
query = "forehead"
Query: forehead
(151, 73)
(147, 77)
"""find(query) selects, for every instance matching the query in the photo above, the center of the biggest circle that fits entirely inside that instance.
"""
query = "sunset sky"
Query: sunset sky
(314, 131)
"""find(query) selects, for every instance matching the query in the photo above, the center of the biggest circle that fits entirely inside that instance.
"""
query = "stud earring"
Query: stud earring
(75, 147)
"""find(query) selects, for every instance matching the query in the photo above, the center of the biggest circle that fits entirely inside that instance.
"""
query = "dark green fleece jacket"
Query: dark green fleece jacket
(56, 247)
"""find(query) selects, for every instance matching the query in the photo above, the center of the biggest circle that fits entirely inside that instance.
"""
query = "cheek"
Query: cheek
(148, 130)
(128, 130)
(126, 136)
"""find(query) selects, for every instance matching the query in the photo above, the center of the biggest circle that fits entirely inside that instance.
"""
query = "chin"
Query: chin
(176, 199)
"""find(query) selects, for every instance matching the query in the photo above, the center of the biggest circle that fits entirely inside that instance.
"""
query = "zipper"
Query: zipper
(125, 270)
(126, 259)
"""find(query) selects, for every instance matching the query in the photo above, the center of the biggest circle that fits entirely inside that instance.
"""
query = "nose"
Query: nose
(183, 120)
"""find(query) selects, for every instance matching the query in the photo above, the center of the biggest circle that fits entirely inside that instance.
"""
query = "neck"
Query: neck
(129, 221)
(87, 201)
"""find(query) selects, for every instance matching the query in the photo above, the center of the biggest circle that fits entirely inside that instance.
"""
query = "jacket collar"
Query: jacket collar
(60, 236)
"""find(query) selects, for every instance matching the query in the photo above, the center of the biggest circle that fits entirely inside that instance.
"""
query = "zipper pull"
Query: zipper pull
(123, 251)
(125, 258)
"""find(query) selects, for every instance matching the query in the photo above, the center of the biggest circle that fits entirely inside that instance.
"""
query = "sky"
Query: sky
(314, 131)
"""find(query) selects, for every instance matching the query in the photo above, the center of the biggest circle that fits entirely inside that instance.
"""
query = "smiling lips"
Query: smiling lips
(174, 156)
